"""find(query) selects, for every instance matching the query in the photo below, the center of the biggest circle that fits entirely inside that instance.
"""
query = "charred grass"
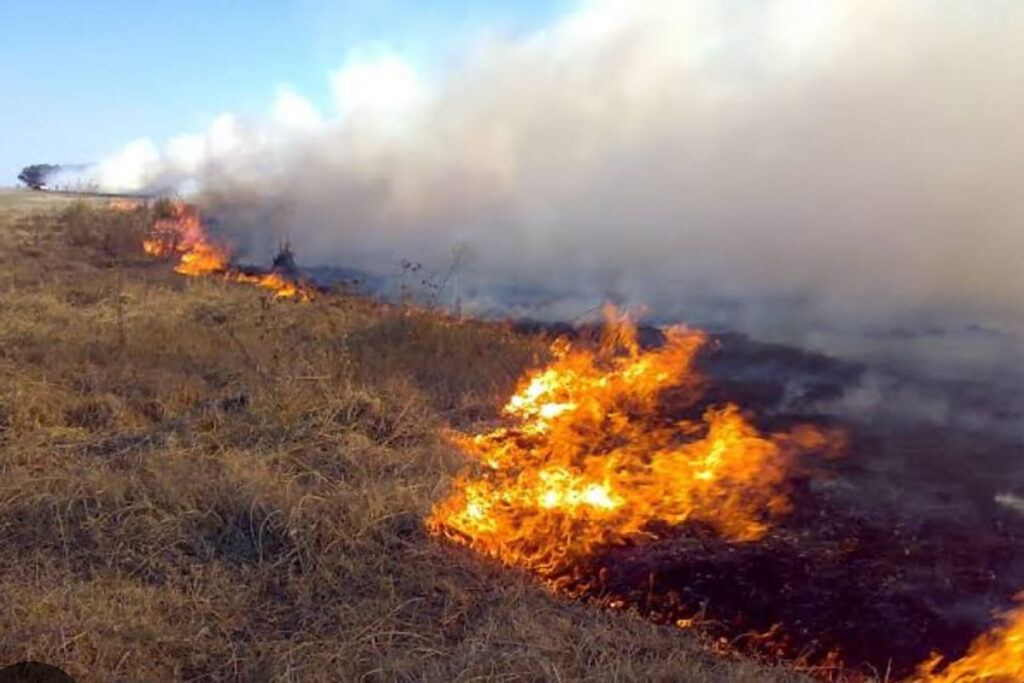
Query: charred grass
(200, 483)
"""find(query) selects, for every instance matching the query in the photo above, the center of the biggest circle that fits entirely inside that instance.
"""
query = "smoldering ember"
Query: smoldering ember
(643, 341)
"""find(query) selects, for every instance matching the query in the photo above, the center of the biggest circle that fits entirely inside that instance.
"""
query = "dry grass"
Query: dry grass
(199, 483)
(16, 202)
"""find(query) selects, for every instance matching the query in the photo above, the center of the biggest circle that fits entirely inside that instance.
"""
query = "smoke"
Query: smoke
(777, 165)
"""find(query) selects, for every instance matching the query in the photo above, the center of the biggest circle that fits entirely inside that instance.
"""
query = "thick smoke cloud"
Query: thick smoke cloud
(775, 165)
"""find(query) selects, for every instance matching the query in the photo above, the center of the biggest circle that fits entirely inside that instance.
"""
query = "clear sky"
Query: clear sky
(78, 79)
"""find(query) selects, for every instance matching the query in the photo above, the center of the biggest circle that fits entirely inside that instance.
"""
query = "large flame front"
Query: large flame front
(182, 233)
(588, 459)
(995, 657)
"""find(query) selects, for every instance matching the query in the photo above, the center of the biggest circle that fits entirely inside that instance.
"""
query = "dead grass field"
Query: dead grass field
(16, 203)
(200, 483)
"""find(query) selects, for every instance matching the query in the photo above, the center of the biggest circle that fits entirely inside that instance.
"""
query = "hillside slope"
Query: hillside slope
(198, 482)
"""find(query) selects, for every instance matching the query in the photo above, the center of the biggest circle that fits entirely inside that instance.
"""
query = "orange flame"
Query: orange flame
(588, 461)
(282, 287)
(182, 233)
(995, 657)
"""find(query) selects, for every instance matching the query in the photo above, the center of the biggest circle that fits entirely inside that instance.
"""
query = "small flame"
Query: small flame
(588, 461)
(995, 657)
(282, 287)
(182, 233)
(202, 259)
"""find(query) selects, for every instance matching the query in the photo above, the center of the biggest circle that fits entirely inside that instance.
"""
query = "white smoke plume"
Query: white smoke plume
(788, 161)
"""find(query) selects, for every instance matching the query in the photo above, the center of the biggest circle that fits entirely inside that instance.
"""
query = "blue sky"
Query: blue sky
(79, 79)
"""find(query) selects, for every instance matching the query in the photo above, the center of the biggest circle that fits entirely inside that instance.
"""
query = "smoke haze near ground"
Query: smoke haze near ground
(808, 162)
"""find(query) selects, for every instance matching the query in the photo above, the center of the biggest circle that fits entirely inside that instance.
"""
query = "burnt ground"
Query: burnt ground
(892, 552)
(880, 590)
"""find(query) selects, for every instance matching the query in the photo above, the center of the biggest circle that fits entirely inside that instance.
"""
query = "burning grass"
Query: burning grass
(178, 232)
(591, 461)
(996, 655)
(206, 481)
(597, 486)
(203, 482)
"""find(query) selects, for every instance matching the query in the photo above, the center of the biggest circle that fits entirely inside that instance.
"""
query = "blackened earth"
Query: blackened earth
(895, 551)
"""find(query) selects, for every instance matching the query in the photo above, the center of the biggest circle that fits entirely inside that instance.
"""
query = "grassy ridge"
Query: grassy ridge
(200, 483)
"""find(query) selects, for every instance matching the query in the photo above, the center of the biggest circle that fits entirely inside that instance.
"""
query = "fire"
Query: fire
(181, 233)
(282, 287)
(995, 657)
(587, 459)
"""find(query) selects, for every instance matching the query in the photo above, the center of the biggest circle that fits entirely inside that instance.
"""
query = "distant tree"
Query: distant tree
(35, 175)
